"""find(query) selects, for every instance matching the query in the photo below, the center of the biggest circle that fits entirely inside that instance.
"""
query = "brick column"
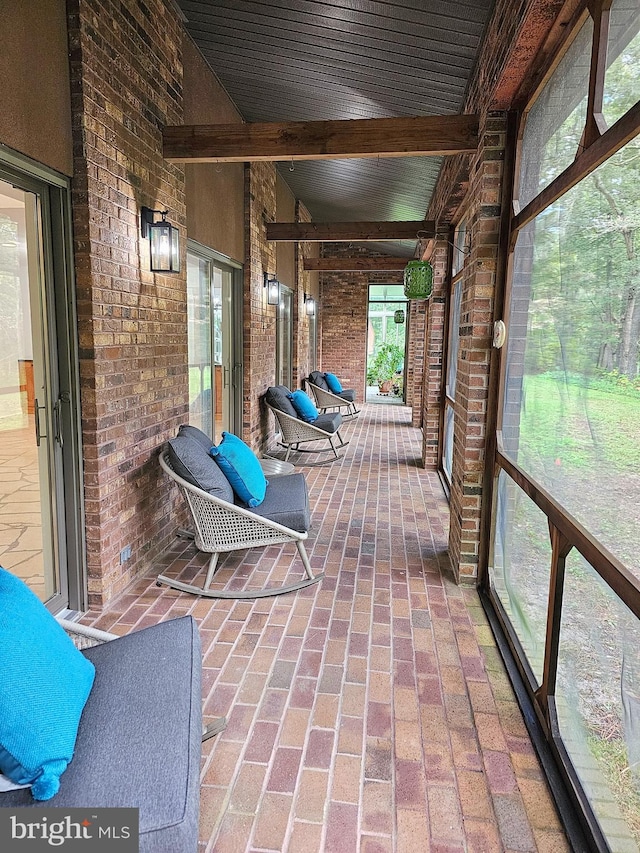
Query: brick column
(259, 319)
(434, 347)
(132, 323)
(476, 325)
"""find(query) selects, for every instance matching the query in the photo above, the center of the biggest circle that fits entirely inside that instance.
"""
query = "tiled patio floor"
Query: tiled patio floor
(370, 712)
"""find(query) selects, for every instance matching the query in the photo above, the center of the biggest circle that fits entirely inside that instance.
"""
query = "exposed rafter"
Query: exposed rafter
(336, 232)
(382, 264)
(407, 136)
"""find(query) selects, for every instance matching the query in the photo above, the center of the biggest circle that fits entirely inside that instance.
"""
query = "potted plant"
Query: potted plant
(385, 366)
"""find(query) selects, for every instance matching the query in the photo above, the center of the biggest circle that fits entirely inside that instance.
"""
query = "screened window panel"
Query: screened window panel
(454, 339)
(521, 567)
(598, 700)
(623, 60)
(459, 248)
(447, 448)
(571, 412)
(556, 120)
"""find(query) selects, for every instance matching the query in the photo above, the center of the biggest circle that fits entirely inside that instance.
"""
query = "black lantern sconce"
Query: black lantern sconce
(164, 240)
(398, 316)
(272, 288)
(309, 305)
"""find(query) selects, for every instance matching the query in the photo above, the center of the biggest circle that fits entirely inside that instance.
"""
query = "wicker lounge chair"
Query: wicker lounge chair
(327, 399)
(294, 431)
(220, 526)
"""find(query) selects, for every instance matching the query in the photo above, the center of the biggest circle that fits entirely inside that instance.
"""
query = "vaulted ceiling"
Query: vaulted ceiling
(302, 60)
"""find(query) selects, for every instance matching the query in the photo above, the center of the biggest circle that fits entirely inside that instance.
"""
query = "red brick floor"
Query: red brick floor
(370, 712)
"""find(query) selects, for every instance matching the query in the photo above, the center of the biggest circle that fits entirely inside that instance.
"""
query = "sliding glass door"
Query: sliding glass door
(214, 340)
(40, 519)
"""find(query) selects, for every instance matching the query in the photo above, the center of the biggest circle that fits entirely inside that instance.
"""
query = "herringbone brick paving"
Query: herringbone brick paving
(370, 712)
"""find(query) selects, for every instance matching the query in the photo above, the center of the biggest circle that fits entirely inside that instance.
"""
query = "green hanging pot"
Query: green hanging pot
(418, 280)
(398, 316)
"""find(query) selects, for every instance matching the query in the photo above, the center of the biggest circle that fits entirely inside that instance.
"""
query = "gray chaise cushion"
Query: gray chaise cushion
(139, 737)
(317, 378)
(277, 396)
(191, 461)
(287, 502)
(329, 422)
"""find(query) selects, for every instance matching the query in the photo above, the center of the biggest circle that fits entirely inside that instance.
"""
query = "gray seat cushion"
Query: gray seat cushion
(191, 461)
(139, 737)
(197, 434)
(278, 397)
(348, 394)
(287, 502)
(317, 378)
(329, 422)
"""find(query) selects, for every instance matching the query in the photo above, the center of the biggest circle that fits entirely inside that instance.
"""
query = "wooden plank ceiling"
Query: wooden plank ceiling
(319, 60)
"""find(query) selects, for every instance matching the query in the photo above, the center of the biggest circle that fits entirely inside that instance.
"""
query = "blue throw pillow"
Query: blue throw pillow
(242, 469)
(44, 685)
(303, 404)
(333, 382)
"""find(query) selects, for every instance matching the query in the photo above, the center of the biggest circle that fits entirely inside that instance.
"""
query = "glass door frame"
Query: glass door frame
(232, 332)
(57, 284)
(284, 325)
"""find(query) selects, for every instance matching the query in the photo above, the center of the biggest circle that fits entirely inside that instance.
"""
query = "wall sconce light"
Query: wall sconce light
(398, 316)
(272, 287)
(310, 305)
(164, 240)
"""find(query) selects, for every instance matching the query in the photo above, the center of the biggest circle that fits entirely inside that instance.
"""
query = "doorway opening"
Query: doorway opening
(387, 317)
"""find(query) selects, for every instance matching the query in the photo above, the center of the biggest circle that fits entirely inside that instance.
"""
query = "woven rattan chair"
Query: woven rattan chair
(325, 399)
(294, 431)
(220, 527)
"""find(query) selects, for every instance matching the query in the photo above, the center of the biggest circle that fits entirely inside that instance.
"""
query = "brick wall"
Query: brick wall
(259, 319)
(344, 297)
(126, 83)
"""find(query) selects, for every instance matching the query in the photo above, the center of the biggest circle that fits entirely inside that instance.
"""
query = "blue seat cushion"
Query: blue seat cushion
(44, 685)
(303, 404)
(287, 502)
(329, 422)
(139, 739)
(335, 386)
(278, 397)
(242, 469)
(191, 461)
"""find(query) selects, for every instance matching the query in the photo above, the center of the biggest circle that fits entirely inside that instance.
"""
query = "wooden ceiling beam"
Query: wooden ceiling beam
(405, 136)
(336, 232)
(358, 264)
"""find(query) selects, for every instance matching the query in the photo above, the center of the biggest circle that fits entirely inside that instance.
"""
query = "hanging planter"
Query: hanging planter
(418, 280)
(398, 316)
